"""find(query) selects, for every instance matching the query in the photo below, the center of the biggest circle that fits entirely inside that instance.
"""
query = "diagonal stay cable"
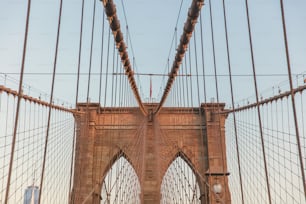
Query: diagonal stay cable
(51, 100)
(10, 167)
(292, 96)
(193, 14)
(110, 10)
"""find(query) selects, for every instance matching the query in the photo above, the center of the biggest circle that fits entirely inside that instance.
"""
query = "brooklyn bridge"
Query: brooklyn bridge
(147, 102)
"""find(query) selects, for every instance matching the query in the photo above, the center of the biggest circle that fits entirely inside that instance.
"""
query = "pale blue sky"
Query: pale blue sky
(151, 25)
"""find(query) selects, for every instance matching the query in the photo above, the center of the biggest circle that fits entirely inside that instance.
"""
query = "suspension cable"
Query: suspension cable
(193, 15)
(91, 49)
(202, 53)
(76, 99)
(217, 91)
(110, 10)
(101, 60)
(18, 103)
(130, 44)
(232, 100)
(190, 69)
(51, 100)
(107, 67)
(257, 101)
(292, 97)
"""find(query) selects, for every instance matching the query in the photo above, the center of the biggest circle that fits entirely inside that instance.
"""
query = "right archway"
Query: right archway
(197, 140)
(179, 184)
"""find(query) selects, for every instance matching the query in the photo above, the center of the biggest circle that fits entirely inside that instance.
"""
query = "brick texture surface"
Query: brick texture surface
(150, 144)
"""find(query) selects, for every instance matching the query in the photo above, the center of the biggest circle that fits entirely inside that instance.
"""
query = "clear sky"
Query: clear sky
(151, 27)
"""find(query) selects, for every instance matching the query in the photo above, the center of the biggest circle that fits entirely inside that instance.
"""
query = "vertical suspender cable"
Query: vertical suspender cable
(217, 88)
(168, 65)
(197, 70)
(233, 102)
(292, 97)
(117, 71)
(191, 92)
(126, 94)
(6, 124)
(213, 51)
(187, 94)
(18, 104)
(101, 61)
(180, 90)
(120, 90)
(175, 92)
(100, 87)
(127, 33)
(303, 131)
(112, 134)
(202, 52)
(80, 52)
(257, 101)
(90, 62)
(114, 55)
(51, 99)
(91, 48)
(107, 61)
(198, 91)
(183, 85)
(76, 96)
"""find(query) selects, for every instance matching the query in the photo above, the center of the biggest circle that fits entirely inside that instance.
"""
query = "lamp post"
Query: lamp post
(217, 188)
(216, 185)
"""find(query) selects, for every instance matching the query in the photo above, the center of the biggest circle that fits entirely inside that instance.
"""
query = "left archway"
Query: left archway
(103, 136)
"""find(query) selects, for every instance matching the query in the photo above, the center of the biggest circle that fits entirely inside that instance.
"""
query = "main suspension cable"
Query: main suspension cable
(110, 10)
(193, 15)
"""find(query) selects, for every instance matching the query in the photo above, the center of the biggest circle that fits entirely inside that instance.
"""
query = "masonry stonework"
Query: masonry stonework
(150, 143)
